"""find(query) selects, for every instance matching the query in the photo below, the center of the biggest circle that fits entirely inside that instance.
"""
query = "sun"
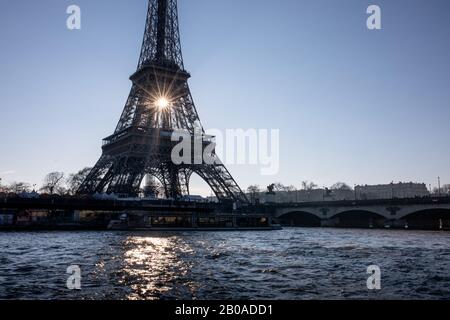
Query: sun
(162, 103)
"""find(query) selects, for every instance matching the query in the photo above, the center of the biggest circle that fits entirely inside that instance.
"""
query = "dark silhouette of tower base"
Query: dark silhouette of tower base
(159, 104)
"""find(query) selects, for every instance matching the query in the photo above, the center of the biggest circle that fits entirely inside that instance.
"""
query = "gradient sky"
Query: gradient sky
(352, 104)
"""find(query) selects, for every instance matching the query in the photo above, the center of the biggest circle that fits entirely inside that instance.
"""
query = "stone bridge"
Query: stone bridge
(422, 213)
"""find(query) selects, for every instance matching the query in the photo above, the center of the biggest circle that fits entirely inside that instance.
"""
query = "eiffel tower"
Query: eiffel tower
(159, 103)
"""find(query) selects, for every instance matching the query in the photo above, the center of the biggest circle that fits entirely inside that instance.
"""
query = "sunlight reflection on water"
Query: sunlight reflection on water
(152, 265)
(294, 263)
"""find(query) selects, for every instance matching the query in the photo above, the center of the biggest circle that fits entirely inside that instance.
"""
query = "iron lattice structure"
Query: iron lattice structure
(141, 144)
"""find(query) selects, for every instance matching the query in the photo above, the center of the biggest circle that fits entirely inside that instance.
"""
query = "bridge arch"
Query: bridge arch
(299, 218)
(358, 218)
(429, 218)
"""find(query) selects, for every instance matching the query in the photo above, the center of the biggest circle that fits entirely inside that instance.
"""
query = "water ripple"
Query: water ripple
(288, 264)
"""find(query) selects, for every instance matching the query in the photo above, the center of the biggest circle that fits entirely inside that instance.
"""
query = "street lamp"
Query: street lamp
(392, 185)
(439, 186)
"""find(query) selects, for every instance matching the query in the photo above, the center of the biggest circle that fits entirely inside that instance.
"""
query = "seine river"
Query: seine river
(294, 263)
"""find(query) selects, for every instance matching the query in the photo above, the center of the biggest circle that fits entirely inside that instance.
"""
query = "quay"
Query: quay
(87, 213)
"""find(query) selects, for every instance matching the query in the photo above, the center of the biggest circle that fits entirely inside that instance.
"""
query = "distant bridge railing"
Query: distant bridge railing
(356, 203)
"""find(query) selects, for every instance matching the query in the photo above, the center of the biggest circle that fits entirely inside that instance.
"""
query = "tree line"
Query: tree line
(253, 190)
(305, 185)
(54, 183)
(60, 184)
(273, 188)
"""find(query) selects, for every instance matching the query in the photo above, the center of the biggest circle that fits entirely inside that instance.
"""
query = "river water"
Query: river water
(293, 263)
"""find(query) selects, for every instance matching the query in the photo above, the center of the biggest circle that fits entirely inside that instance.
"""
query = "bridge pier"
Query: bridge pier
(194, 220)
(329, 223)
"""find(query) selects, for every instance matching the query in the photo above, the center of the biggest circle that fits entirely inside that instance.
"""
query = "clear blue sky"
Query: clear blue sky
(352, 105)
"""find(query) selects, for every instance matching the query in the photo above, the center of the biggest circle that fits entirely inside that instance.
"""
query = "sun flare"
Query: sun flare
(162, 103)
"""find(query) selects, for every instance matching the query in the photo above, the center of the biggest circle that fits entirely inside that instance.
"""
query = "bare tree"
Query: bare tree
(341, 186)
(19, 187)
(75, 180)
(279, 186)
(2, 188)
(54, 183)
(290, 188)
(253, 191)
(445, 189)
(306, 185)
